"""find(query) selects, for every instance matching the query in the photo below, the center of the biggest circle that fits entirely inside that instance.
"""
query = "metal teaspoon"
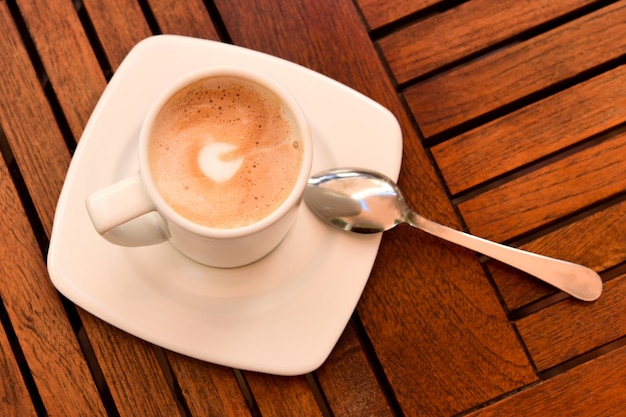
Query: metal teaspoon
(364, 201)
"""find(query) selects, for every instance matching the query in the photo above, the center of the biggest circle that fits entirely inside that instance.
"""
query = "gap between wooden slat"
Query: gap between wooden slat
(24, 195)
(153, 24)
(377, 366)
(94, 368)
(537, 164)
(410, 18)
(94, 40)
(218, 22)
(585, 357)
(27, 40)
(247, 393)
(570, 219)
(318, 394)
(7, 327)
(172, 382)
(29, 45)
(556, 297)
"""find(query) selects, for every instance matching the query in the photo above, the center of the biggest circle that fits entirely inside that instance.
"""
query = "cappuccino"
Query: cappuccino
(224, 152)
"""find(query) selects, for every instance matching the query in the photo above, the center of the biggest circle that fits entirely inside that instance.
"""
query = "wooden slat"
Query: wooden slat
(29, 124)
(447, 37)
(432, 294)
(382, 12)
(131, 369)
(188, 18)
(349, 383)
(73, 71)
(568, 329)
(208, 389)
(16, 400)
(549, 193)
(533, 132)
(593, 389)
(283, 396)
(120, 25)
(595, 241)
(508, 75)
(38, 317)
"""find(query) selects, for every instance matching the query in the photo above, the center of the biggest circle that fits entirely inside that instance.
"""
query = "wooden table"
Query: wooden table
(513, 116)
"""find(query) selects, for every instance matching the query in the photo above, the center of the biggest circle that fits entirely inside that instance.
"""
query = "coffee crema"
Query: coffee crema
(224, 152)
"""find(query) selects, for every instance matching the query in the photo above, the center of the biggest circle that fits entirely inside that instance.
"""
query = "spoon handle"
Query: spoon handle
(577, 280)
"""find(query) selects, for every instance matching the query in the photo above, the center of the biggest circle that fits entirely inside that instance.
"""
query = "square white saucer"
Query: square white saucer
(280, 315)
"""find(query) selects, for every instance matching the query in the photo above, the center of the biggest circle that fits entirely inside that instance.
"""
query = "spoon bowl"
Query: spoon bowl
(365, 201)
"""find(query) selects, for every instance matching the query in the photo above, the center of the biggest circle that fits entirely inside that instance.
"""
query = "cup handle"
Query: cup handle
(124, 214)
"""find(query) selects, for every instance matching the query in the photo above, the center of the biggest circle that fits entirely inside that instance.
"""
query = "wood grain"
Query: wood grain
(349, 383)
(568, 329)
(16, 400)
(595, 389)
(120, 24)
(549, 193)
(533, 132)
(67, 57)
(486, 84)
(283, 396)
(188, 18)
(208, 389)
(444, 38)
(378, 13)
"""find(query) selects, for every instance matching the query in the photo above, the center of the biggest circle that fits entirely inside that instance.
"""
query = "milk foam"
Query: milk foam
(224, 153)
(213, 166)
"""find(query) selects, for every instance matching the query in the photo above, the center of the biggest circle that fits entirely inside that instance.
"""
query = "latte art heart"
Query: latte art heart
(213, 164)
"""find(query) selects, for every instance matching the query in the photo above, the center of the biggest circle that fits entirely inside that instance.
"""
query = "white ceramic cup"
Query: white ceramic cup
(132, 212)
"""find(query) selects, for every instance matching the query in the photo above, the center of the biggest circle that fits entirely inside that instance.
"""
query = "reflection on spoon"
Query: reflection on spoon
(364, 201)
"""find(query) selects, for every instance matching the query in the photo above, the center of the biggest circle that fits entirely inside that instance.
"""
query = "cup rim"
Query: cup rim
(301, 123)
